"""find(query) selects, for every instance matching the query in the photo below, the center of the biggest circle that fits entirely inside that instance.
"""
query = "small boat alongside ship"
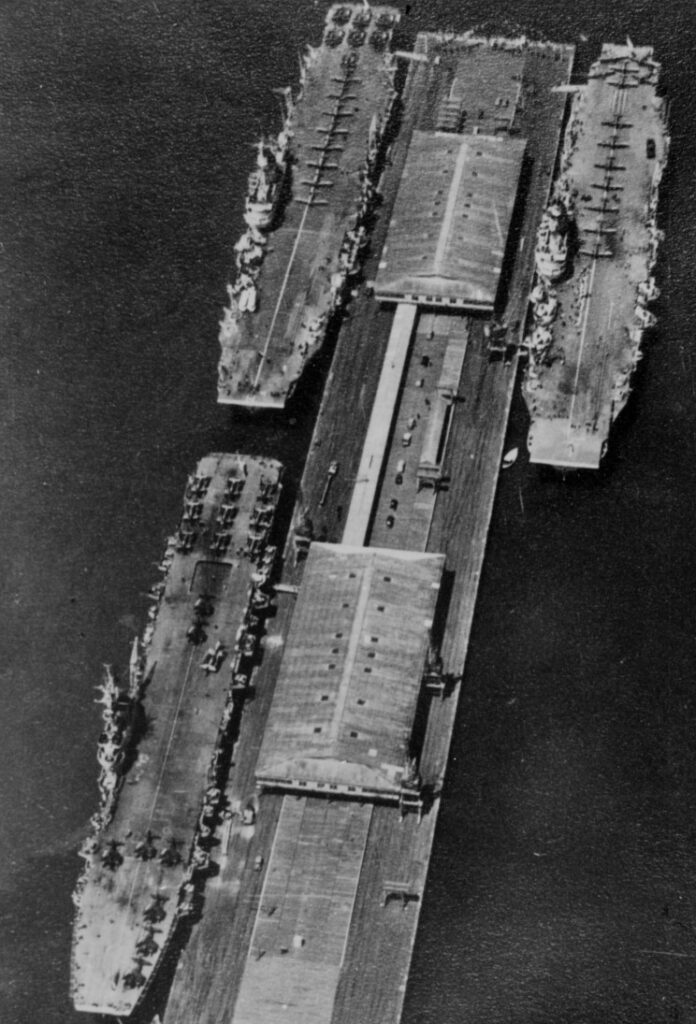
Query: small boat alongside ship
(510, 458)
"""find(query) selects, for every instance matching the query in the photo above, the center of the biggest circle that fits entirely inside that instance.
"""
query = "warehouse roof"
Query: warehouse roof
(451, 218)
(344, 706)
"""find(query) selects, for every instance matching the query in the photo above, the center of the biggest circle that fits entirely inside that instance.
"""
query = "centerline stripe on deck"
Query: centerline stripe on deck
(171, 735)
(184, 687)
(281, 293)
(588, 303)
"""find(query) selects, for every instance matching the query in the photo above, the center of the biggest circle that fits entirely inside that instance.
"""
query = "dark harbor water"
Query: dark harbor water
(563, 885)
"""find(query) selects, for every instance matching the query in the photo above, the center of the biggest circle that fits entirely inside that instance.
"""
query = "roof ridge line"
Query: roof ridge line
(353, 644)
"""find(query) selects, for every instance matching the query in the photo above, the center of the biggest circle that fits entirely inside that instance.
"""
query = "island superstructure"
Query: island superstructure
(596, 256)
(314, 853)
(308, 208)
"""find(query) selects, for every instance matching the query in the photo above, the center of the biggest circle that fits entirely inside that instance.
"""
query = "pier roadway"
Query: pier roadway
(403, 511)
(380, 425)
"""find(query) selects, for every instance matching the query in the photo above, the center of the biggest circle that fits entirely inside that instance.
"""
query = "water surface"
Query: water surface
(562, 886)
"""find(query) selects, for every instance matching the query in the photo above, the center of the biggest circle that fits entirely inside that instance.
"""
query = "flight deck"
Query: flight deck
(590, 311)
(160, 748)
(294, 275)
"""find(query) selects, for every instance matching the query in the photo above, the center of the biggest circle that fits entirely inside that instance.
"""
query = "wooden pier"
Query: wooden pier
(370, 983)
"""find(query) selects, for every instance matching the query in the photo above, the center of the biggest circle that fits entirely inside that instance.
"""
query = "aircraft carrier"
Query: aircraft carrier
(313, 870)
(597, 250)
(307, 210)
(162, 752)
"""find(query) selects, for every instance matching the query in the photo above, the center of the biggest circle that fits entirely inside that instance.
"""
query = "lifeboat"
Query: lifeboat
(545, 312)
(510, 458)
(247, 299)
(648, 291)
